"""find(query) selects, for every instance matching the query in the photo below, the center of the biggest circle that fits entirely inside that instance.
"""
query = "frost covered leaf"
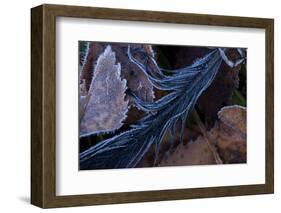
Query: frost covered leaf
(193, 153)
(231, 142)
(103, 108)
(229, 134)
(136, 79)
(138, 82)
(234, 117)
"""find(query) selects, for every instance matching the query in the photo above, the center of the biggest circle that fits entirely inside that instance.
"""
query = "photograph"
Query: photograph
(169, 105)
(152, 105)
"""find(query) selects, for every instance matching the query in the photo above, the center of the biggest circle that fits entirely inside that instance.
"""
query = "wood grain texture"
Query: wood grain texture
(43, 105)
(36, 106)
(269, 118)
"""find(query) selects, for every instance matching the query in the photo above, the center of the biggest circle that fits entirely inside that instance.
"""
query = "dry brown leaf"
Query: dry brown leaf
(231, 141)
(228, 136)
(194, 153)
(234, 117)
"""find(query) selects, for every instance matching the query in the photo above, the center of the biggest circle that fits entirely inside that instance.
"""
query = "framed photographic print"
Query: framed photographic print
(136, 106)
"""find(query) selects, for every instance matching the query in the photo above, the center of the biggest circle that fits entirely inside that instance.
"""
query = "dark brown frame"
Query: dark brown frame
(43, 105)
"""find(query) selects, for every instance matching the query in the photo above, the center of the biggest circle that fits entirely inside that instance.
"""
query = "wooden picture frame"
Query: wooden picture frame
(43, 105)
